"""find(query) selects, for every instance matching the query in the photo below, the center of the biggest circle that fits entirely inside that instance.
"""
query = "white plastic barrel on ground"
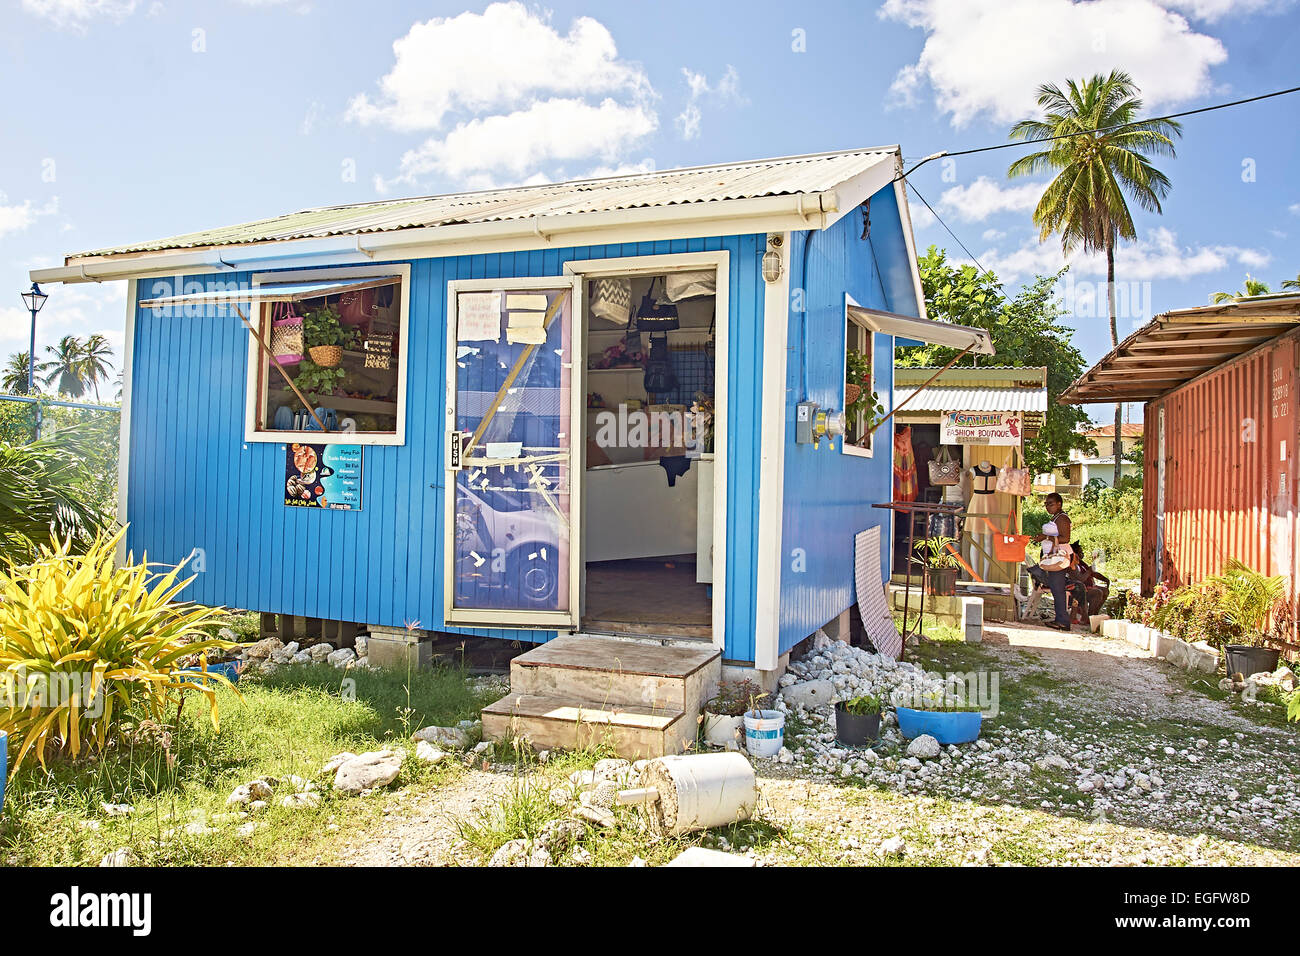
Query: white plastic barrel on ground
(699, 792)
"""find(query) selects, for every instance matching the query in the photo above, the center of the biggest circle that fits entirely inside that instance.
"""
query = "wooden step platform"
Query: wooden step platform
(579, 689)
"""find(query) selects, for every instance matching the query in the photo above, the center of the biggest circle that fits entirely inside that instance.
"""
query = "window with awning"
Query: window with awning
(326, 353)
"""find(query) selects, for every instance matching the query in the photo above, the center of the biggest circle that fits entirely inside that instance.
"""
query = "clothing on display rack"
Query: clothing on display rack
(905, 484)
(984, 483)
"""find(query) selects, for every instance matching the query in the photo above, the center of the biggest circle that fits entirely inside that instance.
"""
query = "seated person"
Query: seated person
(1054, 538)
(1094, 585)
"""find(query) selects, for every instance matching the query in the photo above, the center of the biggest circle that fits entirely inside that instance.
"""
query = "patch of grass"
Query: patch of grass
(290, 722)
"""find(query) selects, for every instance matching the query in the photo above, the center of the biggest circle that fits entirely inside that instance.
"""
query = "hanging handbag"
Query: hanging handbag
(659, 375)
(656, 316)
(944, 469)
(286, 336)
(1013, 480)
(356, 308)
(611, 300)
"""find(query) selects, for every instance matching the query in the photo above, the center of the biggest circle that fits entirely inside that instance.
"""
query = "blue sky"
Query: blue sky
(137, 120)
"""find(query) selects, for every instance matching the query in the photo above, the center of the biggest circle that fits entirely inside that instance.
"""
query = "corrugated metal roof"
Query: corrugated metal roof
(942, 398)
(785, 176)
(1178, 346)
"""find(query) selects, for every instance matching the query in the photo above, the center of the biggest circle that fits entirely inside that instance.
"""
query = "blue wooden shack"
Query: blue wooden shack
(440, 412)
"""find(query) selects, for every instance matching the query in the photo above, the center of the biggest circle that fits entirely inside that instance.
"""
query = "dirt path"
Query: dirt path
(1119, 678)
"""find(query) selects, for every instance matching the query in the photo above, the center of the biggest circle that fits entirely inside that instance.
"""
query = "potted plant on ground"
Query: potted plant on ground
(1235, 608)
(326, 336)
(724, 712)
(937, 554)
(948, 719)
(857, 720)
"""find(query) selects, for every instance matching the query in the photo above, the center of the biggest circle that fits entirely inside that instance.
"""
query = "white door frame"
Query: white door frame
(543, 620)
(720, 262)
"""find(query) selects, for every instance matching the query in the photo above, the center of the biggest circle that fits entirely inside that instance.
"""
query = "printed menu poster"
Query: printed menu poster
(323, 476)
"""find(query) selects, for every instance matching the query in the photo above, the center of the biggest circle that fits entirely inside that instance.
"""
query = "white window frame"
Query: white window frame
(846, 448)
(252, 396)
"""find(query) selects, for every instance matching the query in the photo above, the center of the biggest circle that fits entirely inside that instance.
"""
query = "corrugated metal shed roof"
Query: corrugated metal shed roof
(942, 398)
(1178, 346)
(785, 176)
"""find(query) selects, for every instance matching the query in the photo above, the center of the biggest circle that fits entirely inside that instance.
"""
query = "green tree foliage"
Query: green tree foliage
(43, 494)
(13, 377)
(1026, 333)
(1253, 286)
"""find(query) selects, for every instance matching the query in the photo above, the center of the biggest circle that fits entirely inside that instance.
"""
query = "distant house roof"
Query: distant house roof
(1108, 431)
(718, 185)
(1178, 346)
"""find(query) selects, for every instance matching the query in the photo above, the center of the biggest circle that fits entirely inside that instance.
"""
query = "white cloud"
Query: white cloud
(16, 218)
(1157, 255)
(1294, 208)
(727, 90)
(992, 235)
(922, 218)
(1214, 10)
(984, 197)
(504, 56)
(1047, 40)
(552, 131)
(76, 14)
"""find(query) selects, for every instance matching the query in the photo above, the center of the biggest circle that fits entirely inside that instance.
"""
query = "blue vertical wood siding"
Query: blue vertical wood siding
(828, 495)
(195, 483)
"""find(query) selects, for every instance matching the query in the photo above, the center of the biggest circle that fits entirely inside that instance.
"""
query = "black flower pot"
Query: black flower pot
(1245, 660)
(856, 730)
(941, 581)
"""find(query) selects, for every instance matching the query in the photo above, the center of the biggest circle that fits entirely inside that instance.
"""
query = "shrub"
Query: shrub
(85, 646)
(43, 494)
(735, 698)
(1229, 608)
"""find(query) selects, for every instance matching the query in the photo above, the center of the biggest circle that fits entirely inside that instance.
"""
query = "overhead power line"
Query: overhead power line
(1099, 129)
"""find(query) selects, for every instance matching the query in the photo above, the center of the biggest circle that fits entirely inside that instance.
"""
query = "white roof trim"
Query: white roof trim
(923, 330)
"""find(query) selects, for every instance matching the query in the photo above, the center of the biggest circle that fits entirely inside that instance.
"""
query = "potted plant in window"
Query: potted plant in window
(938, 556)
(724, 712)
(326, 336)
(857, 721)
(857, 381)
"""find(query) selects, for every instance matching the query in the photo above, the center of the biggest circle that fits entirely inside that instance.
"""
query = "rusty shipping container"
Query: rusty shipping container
(1220, 471)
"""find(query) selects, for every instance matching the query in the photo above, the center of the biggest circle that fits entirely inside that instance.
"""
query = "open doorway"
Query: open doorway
(648, 491)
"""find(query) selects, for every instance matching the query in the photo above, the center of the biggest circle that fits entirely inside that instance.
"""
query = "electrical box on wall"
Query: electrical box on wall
(805, 416)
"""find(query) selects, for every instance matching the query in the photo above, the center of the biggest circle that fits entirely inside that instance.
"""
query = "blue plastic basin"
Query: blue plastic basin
(227, 669)
(959, 727)
(4, 765)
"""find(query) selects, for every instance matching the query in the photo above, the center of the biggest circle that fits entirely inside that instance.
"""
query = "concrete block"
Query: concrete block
(1096, 621)
(398, 648)
(702, 856)
(972, 619)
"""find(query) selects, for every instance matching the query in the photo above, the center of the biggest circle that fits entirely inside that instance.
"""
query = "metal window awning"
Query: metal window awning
(271, 292)
(974, 341)
(1178, 346)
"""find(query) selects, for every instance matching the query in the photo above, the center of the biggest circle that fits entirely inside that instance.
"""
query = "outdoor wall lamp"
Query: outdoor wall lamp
(772, 266)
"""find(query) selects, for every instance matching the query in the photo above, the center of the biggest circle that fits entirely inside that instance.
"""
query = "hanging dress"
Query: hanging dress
(905, 484)
(984, 485)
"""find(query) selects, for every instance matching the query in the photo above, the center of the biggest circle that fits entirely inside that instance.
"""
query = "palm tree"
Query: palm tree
(1292, 283)
(94, 357)
(13, 378)
(1098, 168)
(67, 367)
(1253, 287)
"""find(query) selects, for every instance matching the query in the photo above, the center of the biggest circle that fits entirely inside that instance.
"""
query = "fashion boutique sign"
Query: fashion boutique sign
(980, 428)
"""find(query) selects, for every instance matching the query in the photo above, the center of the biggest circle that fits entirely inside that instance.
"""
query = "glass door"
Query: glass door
(513, 449)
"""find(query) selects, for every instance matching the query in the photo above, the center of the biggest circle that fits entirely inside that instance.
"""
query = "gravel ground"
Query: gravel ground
(1099, 757)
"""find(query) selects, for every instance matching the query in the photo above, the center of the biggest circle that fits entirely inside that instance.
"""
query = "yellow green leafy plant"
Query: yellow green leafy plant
(116, 635)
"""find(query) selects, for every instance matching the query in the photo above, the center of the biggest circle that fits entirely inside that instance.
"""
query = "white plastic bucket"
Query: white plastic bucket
(721, 730)
(764, 734)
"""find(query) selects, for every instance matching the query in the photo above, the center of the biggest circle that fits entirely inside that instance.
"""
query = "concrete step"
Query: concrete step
(584, 669)
(550, 722)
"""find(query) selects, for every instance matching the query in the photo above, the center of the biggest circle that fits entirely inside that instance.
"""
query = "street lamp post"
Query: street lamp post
(35, 301)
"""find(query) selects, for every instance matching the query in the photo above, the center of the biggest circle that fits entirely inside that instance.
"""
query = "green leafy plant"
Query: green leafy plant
(86, 647)
(1233, 607)
(317, 380)
(43, 493)
(321, 326)
(734, 698)
(863, 705)
(934, 552)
